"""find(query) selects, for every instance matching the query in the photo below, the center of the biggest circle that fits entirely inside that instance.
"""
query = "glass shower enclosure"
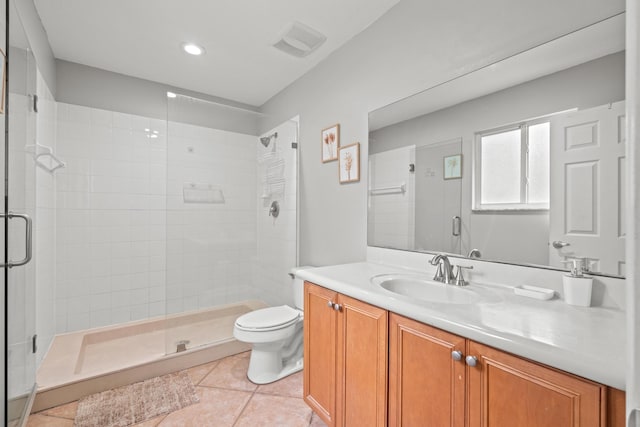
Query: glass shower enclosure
(18, 216)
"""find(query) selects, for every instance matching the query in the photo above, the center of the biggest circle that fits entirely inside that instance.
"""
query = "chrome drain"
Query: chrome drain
(181, 345)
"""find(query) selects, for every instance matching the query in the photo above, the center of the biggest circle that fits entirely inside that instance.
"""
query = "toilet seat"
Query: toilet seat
(268, 319)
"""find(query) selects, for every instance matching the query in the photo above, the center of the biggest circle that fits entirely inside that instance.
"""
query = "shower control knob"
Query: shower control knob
(330, 304)
(471, 361)
(274, 210)
(456, 355)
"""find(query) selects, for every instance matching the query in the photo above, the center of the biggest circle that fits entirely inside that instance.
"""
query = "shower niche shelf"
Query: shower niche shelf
(202, 193)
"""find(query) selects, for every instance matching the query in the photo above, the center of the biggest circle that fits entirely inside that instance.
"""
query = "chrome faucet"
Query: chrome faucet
(444, 271)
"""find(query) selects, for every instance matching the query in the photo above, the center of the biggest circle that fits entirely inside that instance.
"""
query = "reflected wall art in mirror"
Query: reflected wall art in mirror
(523, 160)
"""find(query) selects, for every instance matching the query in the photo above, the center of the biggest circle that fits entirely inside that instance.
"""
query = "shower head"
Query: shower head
(265, 140)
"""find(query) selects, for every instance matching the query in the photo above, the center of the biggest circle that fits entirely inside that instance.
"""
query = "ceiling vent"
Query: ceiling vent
(299, 40)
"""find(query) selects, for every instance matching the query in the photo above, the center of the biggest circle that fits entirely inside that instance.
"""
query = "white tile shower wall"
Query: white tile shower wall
(386, 210)
(110, 222)
(210, 246)
(276, 181)
(44, 231)
(128, 246)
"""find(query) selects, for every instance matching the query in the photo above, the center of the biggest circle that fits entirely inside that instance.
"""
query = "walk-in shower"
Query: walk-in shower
(154, 238)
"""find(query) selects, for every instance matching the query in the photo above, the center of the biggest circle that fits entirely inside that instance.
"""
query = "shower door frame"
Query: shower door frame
(18, 407)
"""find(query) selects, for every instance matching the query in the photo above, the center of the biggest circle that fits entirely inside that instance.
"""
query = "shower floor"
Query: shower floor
(93, 360)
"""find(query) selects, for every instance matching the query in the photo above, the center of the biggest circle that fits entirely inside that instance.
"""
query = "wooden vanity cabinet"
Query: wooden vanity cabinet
(320, 352)
(430, 382)
(506, 390)
(426, 385)
(345, 359)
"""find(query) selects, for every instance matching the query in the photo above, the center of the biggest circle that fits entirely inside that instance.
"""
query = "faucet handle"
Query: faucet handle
(459, 277)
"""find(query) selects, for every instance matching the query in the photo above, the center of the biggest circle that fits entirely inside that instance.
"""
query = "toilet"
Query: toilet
(275, 334)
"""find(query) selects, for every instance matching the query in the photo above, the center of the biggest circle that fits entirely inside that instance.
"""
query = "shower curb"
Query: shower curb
(66, 393)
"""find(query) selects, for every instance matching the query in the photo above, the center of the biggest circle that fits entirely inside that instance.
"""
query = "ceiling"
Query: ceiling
(142, 38)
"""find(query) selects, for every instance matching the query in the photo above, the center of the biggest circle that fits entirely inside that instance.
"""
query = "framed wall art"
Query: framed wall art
(330, 143)
(349, 163)
(453, 166)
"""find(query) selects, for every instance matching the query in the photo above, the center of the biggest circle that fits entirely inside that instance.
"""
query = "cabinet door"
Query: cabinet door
(505, 390)
(320, 351)
(426, 384)
(362, 364)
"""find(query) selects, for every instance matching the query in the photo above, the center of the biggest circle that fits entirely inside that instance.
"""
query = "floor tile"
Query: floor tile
(197, 373)
(217, 408)
(231, 373)
(268, 411)
(316, 421)
(38, 420)
(290, 386)
(226, 399)
(64, 411)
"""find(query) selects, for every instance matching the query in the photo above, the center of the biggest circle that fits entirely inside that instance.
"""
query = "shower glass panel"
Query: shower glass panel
(211, 217)
(426, 213)
(19, 172)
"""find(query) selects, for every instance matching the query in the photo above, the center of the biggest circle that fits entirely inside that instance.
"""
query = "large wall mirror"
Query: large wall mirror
(523, 160)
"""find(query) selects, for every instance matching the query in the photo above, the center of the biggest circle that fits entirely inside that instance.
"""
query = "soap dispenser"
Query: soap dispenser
(577, 287)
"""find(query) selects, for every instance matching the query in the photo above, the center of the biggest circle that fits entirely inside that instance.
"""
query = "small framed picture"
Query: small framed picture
(349, 163)
(330, 143)
(453, 166)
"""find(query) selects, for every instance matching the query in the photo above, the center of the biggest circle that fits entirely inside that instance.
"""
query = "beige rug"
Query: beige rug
(137, 402)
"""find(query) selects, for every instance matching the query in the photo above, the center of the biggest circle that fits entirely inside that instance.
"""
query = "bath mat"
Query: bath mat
(134, 403)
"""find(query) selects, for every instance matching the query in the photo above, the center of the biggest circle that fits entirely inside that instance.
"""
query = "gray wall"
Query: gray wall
(38, 41)
(93, 87)
(416, 45)
(586, 85)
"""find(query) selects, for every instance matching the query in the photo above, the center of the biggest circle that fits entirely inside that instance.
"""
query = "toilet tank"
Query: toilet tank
(298, 286)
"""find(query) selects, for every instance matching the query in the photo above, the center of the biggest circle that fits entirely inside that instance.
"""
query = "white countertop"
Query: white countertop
(586, 341)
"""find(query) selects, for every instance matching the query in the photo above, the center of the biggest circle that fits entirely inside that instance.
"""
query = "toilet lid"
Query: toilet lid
(270, 317)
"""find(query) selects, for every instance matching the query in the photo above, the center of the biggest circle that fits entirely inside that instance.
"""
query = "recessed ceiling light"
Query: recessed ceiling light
(171, 95)
(192, 49)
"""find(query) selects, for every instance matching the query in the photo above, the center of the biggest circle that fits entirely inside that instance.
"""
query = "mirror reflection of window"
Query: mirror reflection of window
(559, 82)
(538, 162)
(512, 167)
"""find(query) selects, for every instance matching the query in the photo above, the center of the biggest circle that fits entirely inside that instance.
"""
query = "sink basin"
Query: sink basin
(421, 288)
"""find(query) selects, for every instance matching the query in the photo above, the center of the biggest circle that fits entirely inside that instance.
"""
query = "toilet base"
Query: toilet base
(259, 375)
(270, 362)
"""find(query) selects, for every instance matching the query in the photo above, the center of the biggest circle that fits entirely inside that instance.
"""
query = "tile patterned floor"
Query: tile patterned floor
(227, 398)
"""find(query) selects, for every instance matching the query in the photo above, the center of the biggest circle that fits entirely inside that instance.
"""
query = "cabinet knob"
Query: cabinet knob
(471, 361)
(337, 307)
(330, 304)
(456, 355)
